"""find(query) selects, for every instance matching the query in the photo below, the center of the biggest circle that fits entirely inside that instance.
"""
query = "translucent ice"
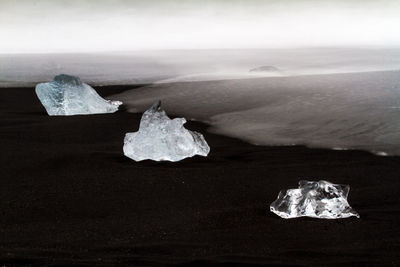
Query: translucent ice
(320, 199)
(160, 138)
(68, 95)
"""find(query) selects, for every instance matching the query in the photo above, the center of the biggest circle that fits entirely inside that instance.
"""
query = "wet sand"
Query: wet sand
(69, 196)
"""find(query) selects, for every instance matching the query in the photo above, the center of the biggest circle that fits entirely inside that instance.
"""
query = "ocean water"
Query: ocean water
(339, 111)
(143, 67)
(321, 97)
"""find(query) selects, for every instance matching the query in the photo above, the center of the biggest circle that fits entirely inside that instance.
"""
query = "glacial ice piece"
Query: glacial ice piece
(68, 95)
(320, 199)
(160, 138)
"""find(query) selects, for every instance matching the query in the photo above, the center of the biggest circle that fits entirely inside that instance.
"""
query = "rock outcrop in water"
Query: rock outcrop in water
(320, 199)
(265, 69)
(68, 95)
(161, 139)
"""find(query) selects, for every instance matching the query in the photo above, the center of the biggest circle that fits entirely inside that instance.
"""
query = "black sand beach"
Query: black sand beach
(69, 196)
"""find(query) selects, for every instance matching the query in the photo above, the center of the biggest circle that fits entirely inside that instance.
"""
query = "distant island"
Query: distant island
(265, 69)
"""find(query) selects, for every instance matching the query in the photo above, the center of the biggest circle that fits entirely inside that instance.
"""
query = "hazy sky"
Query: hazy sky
(121, 25)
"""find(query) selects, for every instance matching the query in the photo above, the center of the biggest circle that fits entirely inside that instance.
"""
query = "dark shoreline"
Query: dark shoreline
(69, 196)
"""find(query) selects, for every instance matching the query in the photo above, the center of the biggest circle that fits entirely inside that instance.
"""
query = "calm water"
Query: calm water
(334, 98)
(341, 111)
(167, 66)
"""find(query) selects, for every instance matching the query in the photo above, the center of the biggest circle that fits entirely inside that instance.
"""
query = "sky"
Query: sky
(58, 26)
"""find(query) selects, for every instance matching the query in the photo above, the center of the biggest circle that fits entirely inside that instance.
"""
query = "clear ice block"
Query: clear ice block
(320, 199)
(68, 95)
(161, 139)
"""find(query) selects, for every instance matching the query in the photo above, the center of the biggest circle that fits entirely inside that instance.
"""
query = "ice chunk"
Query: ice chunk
(68, 95)
(160, 138)
(320, 199)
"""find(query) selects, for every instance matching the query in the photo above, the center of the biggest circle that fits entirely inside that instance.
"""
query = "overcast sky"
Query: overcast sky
(121, 25)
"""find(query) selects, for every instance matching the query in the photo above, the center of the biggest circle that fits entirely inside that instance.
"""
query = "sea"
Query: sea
(337, 98)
